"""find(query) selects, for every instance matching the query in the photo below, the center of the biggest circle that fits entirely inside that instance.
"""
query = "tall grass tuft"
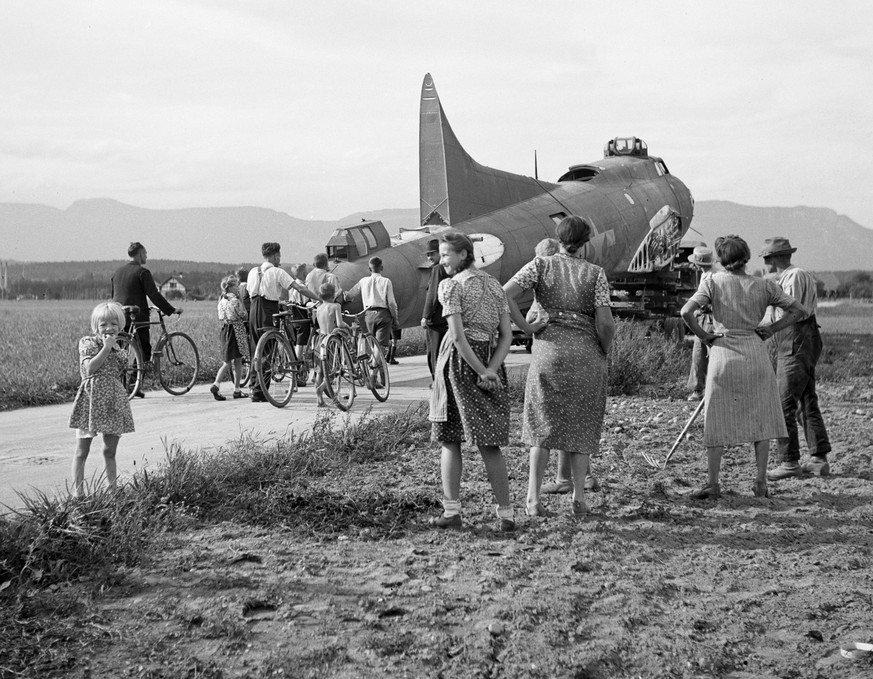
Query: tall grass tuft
(53, 540)
(641, 356)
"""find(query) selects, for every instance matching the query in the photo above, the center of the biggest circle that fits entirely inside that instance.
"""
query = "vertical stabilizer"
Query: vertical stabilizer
(454, 187)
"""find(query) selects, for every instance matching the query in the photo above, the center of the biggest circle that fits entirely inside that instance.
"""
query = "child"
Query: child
(329, 317)
(545, 248)
(101, 403)
(234, 337)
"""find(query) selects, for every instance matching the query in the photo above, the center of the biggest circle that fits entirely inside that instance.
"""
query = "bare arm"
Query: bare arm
(690, 319)
(512, 291)
(93, 364)
(303, 290)
(792, 315)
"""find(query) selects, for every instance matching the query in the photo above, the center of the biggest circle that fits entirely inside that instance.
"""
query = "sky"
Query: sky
(311, 108)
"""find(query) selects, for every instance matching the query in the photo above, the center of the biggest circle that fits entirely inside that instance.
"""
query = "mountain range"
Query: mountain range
(101, 229)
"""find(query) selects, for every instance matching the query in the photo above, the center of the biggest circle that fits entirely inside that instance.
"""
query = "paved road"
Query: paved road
(36, 445)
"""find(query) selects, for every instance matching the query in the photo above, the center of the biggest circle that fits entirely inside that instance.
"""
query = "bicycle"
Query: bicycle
(353, 358)
(275, 361)
(175, 357)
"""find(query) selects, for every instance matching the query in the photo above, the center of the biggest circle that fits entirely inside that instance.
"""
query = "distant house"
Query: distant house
(173, 288)
(827, 283)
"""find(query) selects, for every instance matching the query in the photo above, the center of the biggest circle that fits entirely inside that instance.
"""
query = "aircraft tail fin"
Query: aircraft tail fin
(454, 187)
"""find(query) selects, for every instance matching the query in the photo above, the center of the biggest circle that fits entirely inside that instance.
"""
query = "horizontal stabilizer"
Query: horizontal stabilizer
(453, 186)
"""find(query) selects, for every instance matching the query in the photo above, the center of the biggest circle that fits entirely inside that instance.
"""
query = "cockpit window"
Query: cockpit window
(337, 252)
(580, 173)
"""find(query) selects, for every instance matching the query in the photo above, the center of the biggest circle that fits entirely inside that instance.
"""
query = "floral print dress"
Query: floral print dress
(101, 404)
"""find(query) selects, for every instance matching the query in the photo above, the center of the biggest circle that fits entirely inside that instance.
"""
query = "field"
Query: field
(312, 557)
(38, 341)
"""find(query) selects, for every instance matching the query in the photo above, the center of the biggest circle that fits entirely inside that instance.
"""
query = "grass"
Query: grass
(351, 481)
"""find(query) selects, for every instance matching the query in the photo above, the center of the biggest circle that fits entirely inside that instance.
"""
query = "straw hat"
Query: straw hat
(702, 256)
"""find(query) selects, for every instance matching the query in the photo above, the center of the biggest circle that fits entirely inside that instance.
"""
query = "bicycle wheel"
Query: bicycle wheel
(132, 376)
(246, 372)
(339, 371)
(276, 365)
(376, 370)
(177, 363)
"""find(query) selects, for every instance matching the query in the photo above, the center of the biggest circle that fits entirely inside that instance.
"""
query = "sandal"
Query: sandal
(215, 394)
(240, 394)
(535, 509)
(579, 508)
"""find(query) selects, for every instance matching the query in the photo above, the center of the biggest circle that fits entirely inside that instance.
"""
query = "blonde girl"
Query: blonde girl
(101, 404)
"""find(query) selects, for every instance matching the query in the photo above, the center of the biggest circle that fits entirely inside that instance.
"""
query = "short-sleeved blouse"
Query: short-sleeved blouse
(739, 302)
(564, 282)
(478, 298)
(231, 309)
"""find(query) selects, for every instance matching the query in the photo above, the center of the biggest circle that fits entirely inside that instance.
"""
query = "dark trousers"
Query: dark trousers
(434, 337)
(700, 357)
(379, 324)
(798, 353)
(261, 316)
(144, 334)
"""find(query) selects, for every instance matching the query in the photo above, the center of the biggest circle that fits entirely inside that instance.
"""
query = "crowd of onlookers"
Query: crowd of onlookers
(736, 319)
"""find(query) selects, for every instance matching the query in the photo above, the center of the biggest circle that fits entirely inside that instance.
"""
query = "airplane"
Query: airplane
(637, 209)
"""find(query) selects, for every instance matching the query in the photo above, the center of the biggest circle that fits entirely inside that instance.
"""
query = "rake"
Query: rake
(650, 459)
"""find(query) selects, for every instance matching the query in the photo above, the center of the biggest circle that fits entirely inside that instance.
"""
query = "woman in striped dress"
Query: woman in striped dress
(469, 400)
(742, 398)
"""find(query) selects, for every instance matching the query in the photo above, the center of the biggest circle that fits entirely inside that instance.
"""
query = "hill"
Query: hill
(100, 230)
(825, 240)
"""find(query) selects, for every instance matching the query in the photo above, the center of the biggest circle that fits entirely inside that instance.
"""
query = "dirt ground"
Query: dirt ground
(650, 584)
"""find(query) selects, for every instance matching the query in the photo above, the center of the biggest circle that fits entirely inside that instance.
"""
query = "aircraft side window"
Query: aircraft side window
(360, 243)
(369, 236)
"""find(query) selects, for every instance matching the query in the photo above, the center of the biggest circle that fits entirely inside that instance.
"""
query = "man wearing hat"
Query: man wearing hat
(701, 259)
(432, 319)
(798, 349)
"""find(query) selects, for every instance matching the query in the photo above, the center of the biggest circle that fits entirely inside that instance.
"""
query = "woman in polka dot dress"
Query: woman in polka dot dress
(101, 404)
(565, 394)
(469, 400)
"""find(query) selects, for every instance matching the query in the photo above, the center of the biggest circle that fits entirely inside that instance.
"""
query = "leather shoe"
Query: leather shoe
(505, 526)
(785, 470)
(443, 521)
(258, 399)
(711, 491)
(579, 508)
(759, 489)
(817, 466)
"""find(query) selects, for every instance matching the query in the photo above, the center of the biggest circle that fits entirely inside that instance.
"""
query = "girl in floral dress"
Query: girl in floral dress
(234, 337)
(101, 404)
(469, 400)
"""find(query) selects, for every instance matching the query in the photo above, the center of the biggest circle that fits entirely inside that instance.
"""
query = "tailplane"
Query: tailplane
(454, 187)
